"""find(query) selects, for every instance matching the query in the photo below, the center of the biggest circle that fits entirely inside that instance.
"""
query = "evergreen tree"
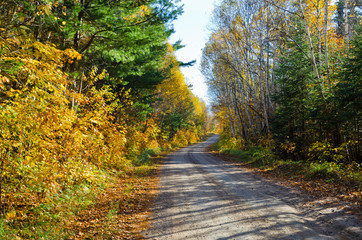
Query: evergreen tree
(294, 74)
(348, 98)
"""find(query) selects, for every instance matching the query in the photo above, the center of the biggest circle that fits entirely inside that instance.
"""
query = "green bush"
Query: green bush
(323, 171)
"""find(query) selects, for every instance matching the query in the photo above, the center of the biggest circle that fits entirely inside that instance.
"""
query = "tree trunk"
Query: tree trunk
(346, 23)
(325, 32)
(310, 45)
(319, 34)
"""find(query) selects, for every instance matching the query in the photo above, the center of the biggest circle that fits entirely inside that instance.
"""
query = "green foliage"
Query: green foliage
(323, 171)
(226, 143)
(295, 77)
(257, 155)
(145, 156)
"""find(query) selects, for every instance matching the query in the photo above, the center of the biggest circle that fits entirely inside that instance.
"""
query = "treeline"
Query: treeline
(287, 75)
(88, 88)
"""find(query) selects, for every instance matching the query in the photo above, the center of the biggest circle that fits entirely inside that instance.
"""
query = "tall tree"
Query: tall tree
(348, 98)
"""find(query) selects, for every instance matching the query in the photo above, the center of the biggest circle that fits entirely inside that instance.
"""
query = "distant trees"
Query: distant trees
(277, 68)
(178, 109)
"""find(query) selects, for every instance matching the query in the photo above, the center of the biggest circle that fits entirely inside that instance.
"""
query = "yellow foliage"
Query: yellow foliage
(139, 14)
(54, 136)
(45, 8)
(10, 215)
(46, 144)
(315, 16)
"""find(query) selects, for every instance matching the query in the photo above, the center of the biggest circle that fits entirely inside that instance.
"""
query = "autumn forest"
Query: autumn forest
(91, 92)
(88, 90)
(286, 76)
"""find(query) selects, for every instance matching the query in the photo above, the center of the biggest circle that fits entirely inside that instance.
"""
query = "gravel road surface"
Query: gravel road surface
(203, 197)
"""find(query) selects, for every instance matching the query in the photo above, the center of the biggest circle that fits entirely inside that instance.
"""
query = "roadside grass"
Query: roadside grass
(320, 178)
(205, 137)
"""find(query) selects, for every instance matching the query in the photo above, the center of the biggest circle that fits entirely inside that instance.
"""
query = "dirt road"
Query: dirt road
(203, 197)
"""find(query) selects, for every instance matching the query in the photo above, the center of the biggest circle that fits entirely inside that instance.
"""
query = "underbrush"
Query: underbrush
(50, 218)
(55, 217)
(40, 214)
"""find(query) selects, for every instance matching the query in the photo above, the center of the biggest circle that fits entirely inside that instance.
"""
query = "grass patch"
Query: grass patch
(255, 156)
(325, 170)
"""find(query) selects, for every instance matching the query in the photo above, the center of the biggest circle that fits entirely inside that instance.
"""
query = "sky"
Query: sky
(192, 29)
